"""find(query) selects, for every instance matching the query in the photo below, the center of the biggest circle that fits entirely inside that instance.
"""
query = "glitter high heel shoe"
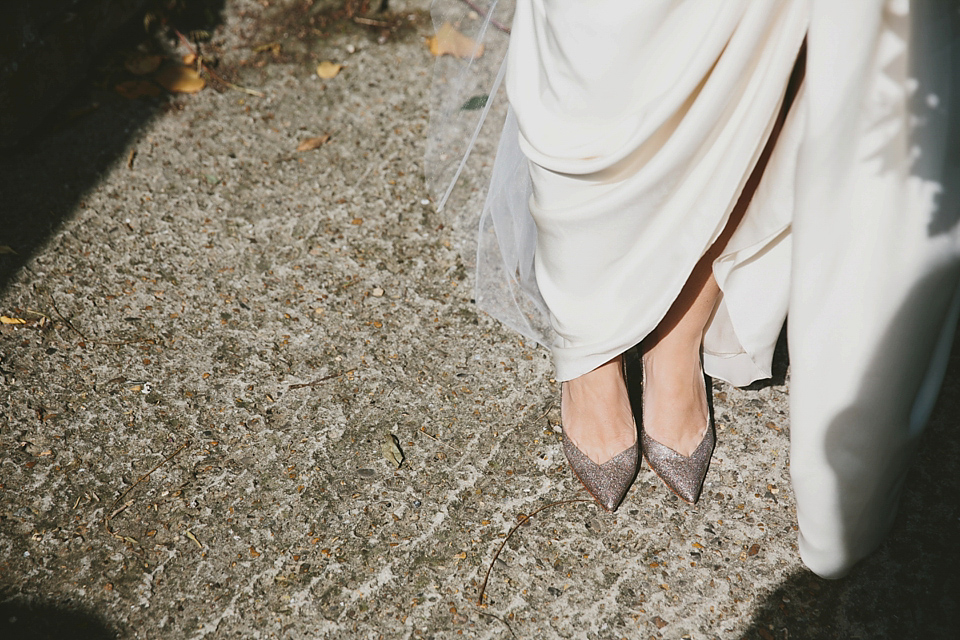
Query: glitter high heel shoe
(609, 482)
(606, 483)
(682, 474)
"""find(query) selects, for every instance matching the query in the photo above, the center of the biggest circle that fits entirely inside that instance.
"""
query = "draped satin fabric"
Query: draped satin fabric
(641, 122)
(634, 126)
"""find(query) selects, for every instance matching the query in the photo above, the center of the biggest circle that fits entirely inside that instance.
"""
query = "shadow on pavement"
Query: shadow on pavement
(44, 178)
(909, 587)
(47, 621)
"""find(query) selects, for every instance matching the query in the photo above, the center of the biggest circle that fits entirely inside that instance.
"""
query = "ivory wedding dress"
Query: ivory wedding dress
(633, 127)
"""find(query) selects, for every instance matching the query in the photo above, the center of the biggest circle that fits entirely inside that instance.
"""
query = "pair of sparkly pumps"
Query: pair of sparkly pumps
(608, 483)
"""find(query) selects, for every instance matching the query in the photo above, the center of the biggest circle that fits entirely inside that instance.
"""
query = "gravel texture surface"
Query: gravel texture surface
(222, 333)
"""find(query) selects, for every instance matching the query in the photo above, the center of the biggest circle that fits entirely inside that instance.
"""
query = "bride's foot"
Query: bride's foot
(596, 414)
(675, 411)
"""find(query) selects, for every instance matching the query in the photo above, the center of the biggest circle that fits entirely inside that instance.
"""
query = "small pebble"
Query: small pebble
(376, 292)
(425, 201)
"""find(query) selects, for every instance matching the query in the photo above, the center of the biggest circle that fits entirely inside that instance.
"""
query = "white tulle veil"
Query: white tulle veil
(467, 109)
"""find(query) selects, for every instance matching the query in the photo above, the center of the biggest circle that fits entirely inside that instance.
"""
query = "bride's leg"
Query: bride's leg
(595, 407)
(674, 406)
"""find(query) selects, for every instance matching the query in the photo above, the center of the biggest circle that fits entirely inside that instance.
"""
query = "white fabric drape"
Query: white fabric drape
(636, 125)
(874, 297)
(642, 122)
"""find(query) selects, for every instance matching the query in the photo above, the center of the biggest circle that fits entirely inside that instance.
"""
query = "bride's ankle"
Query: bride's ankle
(596, 414)
(675, 409)
(671, 370)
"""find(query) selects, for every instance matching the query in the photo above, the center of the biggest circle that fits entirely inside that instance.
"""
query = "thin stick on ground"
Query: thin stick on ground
(118, 343)
(423, 431)
(371, 23)
(62, 317)
(106, 520)
(496, 23)
(320, 381)
(505, 623)
(545, 411)
(522, 519)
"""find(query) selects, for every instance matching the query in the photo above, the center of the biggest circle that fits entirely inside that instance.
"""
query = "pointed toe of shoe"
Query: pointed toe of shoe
(609, 482)
(683, 475)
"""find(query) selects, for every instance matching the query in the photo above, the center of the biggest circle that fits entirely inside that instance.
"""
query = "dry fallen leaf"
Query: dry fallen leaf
(450, 42)
(194, 538)
(180, 79)
(327, 69)
(9, 320)
(273, 47)
(190, 59)
(132, 89)
(313, 143)
(140, 64)
(391, 449)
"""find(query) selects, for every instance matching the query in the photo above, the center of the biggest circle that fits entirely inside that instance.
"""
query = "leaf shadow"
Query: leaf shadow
(32, 620)
(46, 174)
(910, 586)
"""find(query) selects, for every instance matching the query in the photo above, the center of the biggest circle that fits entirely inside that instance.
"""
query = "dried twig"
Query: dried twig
(346, 285)
(505, 623)
(38, 313)
(320, 381)
(423, 430)
(212, 73)
(371, 23)
(545, 411)
(61, 316)
(119, 509)
(116, 510)
(482, 12)
(523, 518)
(116, 343)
